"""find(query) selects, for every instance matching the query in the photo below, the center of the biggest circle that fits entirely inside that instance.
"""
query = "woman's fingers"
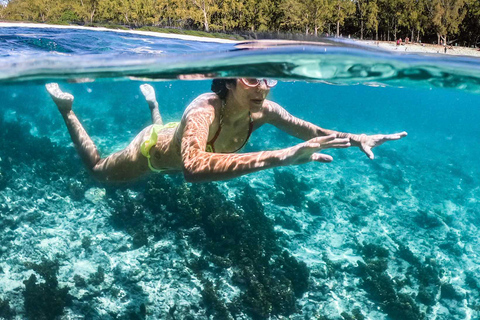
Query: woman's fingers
(337, 143)
(324, 139)
(368, 152)
(310, 147)
(330, 141)
(307, 151)
(395, 136)
(330, 137)
(320, 157)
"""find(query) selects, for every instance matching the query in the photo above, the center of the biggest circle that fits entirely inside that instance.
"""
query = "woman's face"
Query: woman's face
(249, 96)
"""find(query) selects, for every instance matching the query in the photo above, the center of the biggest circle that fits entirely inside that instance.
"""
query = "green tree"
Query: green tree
(470, 28)
(255, 15)
(275, 15)
(390, 12)
(342, 9)
(410, 15)
(362, 12)
(116, 11)
(320, 12)
(177, 12)
(371, 18)
(202, 11)
(142, 12)
(229, 14)
(2, 10)
(87, 10)
(293, 15)
(33, 10)
(446, 17)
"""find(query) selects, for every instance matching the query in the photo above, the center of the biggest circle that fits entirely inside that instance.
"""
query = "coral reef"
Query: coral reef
(98, 277)
(45, 300)
(289, 190)
(231, 235)
(382, 288)
(213, 303)
(6, 311)
(3, 174)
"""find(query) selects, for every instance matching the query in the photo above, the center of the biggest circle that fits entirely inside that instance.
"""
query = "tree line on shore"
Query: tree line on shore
(441, 21)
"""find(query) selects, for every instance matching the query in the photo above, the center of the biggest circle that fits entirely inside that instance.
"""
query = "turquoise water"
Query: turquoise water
(392, 238)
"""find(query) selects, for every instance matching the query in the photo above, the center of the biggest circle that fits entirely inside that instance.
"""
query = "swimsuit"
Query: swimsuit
(210, 147)
(156, 128)
(149, 143)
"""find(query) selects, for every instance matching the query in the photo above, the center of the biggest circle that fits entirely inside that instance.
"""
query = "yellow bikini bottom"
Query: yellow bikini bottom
(152, 141)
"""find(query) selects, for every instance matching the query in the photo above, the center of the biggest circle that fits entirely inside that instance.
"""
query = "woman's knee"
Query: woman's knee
(98, 172)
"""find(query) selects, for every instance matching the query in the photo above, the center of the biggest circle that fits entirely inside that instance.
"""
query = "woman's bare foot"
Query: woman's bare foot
(149, 94)
(62, 99)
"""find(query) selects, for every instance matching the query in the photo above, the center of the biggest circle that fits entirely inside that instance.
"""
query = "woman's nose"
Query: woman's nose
(262, 85)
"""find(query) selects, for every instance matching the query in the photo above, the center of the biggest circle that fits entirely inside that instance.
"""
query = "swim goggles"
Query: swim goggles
(254, 82)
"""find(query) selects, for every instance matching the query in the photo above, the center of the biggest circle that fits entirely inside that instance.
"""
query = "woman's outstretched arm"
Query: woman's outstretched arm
(199, 166)
(280, 118)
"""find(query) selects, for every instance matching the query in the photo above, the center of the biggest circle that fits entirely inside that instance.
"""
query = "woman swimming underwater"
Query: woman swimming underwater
(213, 128)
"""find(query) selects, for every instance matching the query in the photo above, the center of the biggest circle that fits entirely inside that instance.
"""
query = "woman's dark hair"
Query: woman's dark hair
(219, 86)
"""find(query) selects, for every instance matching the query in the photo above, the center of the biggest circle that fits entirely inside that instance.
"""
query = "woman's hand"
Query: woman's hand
(307, 151)
(366, 143)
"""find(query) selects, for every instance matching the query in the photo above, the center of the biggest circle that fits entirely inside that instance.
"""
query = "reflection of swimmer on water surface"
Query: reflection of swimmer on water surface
(213, 128)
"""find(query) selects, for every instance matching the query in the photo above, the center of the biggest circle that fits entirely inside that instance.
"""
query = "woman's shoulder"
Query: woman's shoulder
(207, 100)
(205, 104)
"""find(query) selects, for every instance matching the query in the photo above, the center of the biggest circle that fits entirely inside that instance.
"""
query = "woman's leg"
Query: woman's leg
(84, 145)
(149, 93)
(123, 165)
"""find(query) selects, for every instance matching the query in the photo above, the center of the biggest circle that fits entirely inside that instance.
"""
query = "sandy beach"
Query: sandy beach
(422, 48)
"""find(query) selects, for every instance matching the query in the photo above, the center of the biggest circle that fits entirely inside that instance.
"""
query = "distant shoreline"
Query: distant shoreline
(421, 48)
(385, 45)
(147, 33)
